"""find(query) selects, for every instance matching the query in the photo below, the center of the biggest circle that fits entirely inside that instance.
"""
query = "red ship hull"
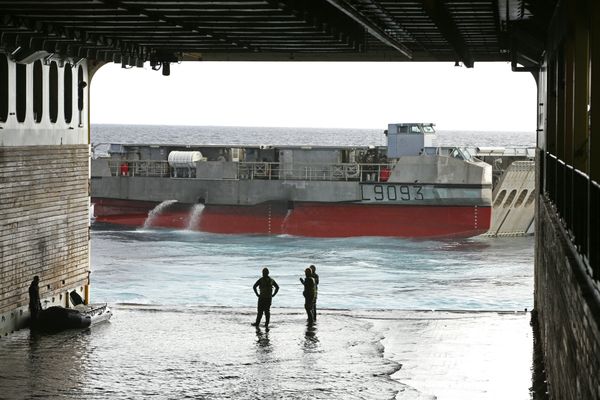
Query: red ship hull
(306, 218)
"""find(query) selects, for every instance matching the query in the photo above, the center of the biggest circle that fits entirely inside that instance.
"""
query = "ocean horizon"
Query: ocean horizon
(250, 135)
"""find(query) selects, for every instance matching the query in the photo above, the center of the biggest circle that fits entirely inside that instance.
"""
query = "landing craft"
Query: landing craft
(409, 188)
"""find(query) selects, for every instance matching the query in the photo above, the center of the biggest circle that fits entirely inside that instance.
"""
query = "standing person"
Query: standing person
(315, 276)
(309, 294)
(266, 285)
(35, 305)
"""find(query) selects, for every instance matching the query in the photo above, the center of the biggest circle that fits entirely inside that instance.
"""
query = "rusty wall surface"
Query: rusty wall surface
(44, 226)
(567, 302)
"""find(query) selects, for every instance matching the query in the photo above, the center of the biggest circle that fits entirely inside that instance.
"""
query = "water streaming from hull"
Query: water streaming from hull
(194, 218)
(285, 220)
(92, 214)
(155, 212)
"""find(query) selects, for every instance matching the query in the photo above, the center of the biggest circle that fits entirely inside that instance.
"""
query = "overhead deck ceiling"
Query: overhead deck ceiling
(134, 31)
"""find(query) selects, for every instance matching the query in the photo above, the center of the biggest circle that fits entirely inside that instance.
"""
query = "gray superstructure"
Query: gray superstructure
(255, 174)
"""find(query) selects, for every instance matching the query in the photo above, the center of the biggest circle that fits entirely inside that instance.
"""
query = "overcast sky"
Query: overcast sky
(337, 95)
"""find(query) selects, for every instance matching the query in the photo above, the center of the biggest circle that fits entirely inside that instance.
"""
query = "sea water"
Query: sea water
(193, 268)
(404, 319)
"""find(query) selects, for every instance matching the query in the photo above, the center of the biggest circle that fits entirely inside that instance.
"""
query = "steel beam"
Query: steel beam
(444, 22)
(370, 27)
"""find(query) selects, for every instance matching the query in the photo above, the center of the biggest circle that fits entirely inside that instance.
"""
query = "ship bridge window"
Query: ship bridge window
(456, 153)
(38, 100)
(21, 93)
(467, 154)
(428, 129)
(3, 88)
(53, 92)
(461, 154)
(68, 93)
(415, 129)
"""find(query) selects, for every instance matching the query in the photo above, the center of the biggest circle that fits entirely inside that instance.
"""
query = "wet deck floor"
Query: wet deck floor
(214, 353)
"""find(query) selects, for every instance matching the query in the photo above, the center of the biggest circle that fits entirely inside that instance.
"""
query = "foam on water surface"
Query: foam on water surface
(178, 267)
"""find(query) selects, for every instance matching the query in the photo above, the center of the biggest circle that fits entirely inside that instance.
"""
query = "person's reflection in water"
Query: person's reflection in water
(262, 341)
(311, 341)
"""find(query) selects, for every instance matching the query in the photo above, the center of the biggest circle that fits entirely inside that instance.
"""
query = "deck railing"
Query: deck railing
(152, 168)
(314, 172)
(577, 201)
(261, 170)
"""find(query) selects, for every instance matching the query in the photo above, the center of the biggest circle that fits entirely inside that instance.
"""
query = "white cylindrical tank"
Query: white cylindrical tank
(184, 159)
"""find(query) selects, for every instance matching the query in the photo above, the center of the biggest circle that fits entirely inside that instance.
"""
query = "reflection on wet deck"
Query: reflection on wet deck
(214, 353)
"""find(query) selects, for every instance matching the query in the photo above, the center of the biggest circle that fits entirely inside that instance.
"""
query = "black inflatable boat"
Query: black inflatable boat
(54, 319)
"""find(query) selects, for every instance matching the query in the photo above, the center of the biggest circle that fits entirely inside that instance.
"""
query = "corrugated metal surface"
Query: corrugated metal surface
(44, 227)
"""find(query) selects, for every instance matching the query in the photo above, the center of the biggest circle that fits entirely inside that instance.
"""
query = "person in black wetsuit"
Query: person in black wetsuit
(266, 285)
(315, 276)
(35, 305)
(309, 294)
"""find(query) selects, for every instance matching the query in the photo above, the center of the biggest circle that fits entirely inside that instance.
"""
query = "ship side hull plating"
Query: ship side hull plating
(306, 218)
(419, 197)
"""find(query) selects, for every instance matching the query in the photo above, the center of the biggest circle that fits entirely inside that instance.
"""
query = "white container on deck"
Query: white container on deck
(184, 159)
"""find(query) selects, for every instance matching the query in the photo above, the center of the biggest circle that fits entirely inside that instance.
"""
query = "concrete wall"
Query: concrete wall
(567, 302)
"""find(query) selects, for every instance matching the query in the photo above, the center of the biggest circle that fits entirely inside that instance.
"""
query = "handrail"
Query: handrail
(314, 172)
(149, 168)
(247, 170)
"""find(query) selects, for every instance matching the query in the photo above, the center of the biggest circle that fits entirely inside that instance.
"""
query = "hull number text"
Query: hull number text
(392, 192)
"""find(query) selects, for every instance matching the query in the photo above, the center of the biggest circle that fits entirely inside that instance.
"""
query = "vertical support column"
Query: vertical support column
(580, 182)
(541, 131)
(560, 128)
(550, 126)
(569, 78)
(567, 157)
(560, 106)
(91, 70)
(580, 90)
(86, 293)
(550, 106)
(594, 67)
(594, 140)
